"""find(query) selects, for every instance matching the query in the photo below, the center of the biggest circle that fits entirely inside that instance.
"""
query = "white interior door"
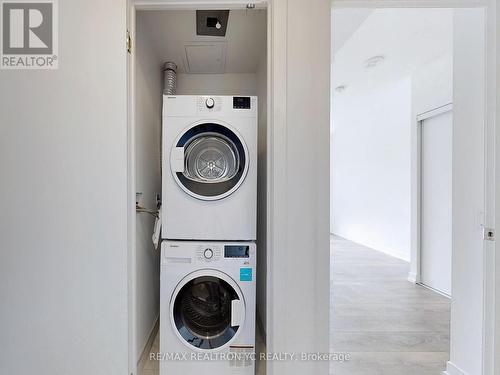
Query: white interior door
(436, 206)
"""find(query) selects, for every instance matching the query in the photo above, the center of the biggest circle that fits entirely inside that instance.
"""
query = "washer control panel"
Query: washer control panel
(209, 253)
(184, 255)
(236, 251)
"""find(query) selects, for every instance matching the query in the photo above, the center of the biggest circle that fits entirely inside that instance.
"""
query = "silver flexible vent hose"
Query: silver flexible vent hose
(169, 88)
(170, 78)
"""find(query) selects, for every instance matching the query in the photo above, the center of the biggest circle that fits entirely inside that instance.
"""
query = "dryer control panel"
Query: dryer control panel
(209, 104)
(221, 107)
(241, 102)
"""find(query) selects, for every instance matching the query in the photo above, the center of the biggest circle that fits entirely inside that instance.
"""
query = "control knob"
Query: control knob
(208, 254)
(210, 103)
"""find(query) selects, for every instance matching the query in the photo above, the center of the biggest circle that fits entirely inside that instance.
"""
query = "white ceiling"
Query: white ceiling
(172, 30)
(407, 38)
(346, 22)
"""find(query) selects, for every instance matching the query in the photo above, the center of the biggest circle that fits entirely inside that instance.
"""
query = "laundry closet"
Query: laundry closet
(210, 131)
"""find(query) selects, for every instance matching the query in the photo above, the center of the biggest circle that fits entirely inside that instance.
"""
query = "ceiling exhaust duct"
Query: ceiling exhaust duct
(169, 88)
(169, 78)
(212, 22)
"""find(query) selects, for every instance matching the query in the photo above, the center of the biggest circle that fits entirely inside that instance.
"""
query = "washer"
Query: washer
(207, 308)
(209, 167)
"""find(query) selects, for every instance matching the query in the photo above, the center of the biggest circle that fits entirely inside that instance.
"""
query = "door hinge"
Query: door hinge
(488, 234)
(129, 42)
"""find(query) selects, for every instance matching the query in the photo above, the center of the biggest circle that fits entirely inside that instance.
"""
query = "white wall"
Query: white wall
(149, 87)
(467, 309)
(63, 193)
(298, 292)
(370, 167)
(217, 84)
(433, 83)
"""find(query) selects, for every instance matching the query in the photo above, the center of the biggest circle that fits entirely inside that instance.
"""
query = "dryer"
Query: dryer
(207, 311)
(209, 182)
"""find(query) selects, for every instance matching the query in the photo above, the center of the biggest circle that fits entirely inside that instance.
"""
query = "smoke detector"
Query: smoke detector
(374, 61)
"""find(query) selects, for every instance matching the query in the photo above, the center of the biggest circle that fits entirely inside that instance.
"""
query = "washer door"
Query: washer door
(209, 161)
(207, 310)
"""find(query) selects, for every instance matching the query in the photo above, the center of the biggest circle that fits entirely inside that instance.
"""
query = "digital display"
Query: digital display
(235, 251)
(241, 102)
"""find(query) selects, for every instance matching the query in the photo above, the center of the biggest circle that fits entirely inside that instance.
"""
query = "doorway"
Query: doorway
(394, 230)
(167, 32)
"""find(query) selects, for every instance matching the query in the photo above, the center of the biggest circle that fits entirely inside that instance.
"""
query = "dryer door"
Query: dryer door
(207, 310)
(209, 161)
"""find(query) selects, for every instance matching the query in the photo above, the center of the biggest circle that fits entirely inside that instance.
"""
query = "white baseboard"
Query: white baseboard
(413, 278)
(452, 369)
(434, 290)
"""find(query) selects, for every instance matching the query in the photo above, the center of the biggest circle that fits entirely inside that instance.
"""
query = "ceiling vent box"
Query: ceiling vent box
(205, 57)
(212, 22)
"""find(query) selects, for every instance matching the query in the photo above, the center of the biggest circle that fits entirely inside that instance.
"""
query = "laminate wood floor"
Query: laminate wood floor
(387, 324)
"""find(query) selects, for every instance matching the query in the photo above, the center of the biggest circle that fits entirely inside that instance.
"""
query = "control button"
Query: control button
(208, 254)
(210, 103)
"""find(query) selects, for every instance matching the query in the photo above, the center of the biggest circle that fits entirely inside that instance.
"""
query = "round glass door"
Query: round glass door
(202, 312)
(211, 158)
(215, 161)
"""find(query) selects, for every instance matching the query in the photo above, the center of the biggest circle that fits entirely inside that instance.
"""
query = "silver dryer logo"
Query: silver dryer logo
(29, 34)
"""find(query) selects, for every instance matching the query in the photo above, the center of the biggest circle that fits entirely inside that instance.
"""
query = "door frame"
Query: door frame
(133, 365)
(416, 261)
(491, 305)
(132, 7)
(276, 121)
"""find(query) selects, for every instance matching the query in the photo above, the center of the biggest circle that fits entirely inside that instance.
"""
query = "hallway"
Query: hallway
(388, 325)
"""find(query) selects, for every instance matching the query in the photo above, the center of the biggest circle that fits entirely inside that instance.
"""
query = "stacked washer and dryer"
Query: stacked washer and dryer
(208, 257)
